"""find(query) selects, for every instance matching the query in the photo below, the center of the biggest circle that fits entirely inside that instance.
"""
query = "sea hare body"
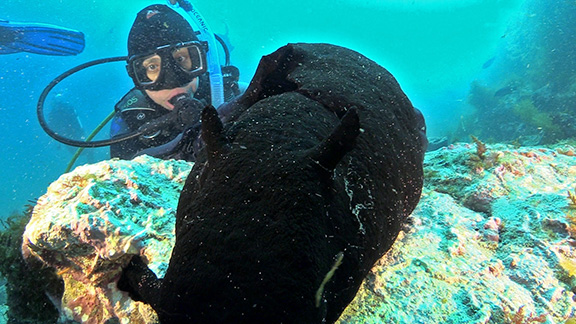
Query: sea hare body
(294, 198)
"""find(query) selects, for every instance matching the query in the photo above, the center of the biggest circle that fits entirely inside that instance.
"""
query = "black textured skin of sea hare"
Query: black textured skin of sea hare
(294, 197)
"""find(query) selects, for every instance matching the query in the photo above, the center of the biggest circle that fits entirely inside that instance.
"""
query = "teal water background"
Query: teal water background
(434, 48)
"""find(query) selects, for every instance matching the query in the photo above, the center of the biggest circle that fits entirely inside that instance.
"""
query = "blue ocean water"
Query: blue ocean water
(435, 48)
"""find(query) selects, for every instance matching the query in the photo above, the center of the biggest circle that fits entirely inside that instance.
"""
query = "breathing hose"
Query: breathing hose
(147, 128)
(90, 137)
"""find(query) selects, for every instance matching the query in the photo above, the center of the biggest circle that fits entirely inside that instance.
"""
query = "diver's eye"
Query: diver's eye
(152, 66)
(182, 57)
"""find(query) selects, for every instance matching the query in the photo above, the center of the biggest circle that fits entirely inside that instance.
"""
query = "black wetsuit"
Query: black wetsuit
(136, 108)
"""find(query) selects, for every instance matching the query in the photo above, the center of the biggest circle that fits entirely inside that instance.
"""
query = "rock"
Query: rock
(456, 265)
(441, 269)
(92, 220)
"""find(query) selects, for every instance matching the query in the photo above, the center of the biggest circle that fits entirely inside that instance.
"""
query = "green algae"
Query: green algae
(26, 284)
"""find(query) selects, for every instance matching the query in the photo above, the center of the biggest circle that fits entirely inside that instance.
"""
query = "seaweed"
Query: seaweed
(482, 159)
(520, 317)
(26, 284)
(480, 147)
(572, 199)
(527, 111)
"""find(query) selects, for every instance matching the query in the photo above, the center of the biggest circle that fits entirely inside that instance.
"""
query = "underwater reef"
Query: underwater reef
(531, 96)
(518, 113)
(493, 239)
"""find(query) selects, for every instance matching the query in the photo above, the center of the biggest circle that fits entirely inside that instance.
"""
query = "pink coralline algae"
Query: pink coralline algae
(492, 229)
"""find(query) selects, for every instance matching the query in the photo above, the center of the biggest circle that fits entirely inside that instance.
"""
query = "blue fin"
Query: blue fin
(39, 39)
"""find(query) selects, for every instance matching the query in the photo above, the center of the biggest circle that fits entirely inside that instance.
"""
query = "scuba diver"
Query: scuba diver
(39, 38)
(176, 72)
(169, 67)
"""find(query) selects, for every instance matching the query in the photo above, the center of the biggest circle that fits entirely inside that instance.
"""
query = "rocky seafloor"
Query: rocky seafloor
(493, 239)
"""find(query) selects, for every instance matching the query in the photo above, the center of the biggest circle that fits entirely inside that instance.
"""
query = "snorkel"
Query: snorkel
(206, 35)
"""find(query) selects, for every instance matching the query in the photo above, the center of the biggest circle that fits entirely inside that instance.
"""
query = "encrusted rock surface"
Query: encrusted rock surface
(513, 260)
(492, 240)
(93, 219)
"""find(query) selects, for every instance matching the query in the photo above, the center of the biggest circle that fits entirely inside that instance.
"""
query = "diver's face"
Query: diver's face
(163, 96)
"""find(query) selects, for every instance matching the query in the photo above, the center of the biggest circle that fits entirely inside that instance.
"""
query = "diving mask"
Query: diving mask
(169, 66)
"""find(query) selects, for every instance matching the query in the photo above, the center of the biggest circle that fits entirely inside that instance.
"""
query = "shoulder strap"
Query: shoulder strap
(134, 100)
(135, 109)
